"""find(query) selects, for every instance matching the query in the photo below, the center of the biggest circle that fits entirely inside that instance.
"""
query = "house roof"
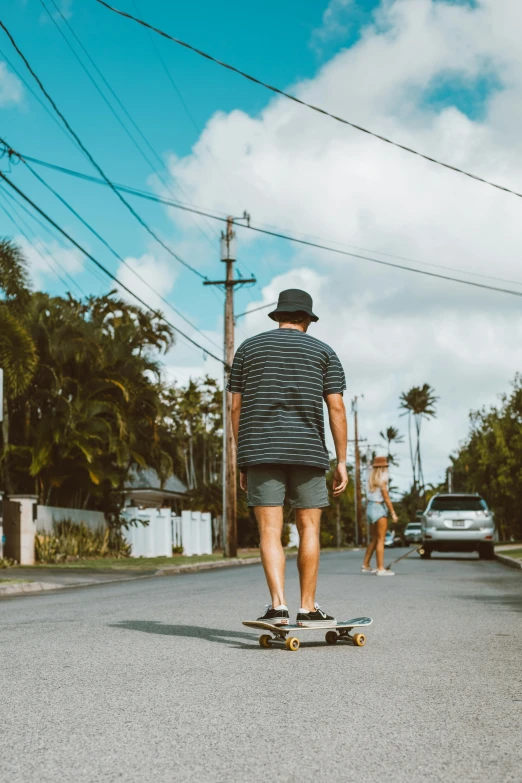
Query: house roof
(148, 479)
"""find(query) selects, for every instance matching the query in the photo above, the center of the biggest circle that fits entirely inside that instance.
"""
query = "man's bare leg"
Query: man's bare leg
(270, 521)
(308, 523)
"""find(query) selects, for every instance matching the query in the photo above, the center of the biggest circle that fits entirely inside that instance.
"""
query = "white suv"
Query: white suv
(458, 523)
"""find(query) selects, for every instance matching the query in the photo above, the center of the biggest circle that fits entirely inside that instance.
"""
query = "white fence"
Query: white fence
(294, 535)
(46, 516)
(155, 531)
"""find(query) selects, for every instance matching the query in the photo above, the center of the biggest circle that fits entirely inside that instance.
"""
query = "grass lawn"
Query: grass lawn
(13, 581)
(151, 563)
(143, 563)
(515, 553)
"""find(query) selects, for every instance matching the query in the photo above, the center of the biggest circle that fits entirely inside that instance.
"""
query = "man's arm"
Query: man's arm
(339, 428)
(236, 414)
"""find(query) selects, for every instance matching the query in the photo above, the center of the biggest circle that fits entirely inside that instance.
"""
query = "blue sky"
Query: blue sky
(444, 77)
(277, 43)
(283, 43)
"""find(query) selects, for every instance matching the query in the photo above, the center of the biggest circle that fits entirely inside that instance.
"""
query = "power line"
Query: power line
(104, 268)
(110, 248)
(287, 237)
(98, 168)
(255, 309)
(48, 231)
(310, 105)
(35, 95)
(37, 250)
(118, 256)
(120, 104)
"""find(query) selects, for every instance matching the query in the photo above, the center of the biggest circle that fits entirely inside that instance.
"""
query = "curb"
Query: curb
(509, 561)
(28, 587)
(39, 587)
(188, 568)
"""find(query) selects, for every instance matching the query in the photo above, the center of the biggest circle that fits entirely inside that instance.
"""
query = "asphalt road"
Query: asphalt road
(157, 680)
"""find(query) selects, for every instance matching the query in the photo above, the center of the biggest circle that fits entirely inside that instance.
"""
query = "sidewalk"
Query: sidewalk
(33, 580)
(40, 578)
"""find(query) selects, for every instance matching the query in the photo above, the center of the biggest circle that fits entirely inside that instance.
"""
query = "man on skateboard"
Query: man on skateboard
(278, 381)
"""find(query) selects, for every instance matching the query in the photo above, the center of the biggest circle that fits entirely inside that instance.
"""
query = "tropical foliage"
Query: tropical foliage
(338, 519)
(490, 461)
(391, 435)
(418, 403)
(18, 355)
(92, 409)
(72, 541)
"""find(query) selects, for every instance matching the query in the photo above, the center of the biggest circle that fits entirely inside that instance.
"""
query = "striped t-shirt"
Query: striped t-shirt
(283, 376)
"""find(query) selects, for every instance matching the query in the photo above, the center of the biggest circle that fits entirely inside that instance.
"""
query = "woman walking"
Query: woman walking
(379, 504)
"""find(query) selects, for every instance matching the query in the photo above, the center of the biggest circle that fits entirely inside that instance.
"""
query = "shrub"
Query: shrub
(75, 541)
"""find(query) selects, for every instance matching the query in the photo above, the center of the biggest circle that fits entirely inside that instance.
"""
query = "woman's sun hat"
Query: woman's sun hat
(380, 462)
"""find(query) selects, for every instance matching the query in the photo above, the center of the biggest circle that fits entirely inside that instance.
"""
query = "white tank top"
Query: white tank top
(376, 496)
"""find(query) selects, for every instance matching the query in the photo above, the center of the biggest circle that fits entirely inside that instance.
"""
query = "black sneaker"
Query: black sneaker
(315, 618)
(275, 616)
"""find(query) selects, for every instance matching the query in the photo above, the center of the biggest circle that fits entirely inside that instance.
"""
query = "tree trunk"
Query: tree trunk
(412, 459)
(192, 469)
(8, 484)
(186, 467)
(420, 476)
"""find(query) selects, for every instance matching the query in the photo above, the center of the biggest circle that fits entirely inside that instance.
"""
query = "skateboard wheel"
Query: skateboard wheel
(331, 637)
(292, 643)
(264, 640)
(359, 639)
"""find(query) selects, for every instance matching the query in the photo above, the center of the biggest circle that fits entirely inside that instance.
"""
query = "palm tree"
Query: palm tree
(418, 403)
(18, 356)
(391, 435)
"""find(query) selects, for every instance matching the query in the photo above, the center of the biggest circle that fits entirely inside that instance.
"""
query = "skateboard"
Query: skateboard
(419, 549)
(337, 632)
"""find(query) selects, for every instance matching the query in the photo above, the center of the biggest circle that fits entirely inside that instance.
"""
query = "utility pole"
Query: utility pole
(358, 493)
(450, 480)
(228, 256)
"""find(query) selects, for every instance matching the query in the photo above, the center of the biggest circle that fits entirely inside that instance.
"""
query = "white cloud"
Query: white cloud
(157, 273)
(337, 18)
(184, 360)
(11, 89)
(306, 173)
(48, 260)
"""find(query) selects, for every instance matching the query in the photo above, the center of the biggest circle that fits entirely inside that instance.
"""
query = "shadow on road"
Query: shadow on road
(510, 601)
(188, 631)
(230, 638)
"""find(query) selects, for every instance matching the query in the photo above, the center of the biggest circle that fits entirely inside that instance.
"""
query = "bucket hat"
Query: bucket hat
(380, 462)
(293, 300)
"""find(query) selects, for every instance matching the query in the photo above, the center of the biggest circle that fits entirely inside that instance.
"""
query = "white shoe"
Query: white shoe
(366, 570)
(384, 572)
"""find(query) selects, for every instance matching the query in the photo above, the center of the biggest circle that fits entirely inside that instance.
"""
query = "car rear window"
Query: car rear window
(413, 526)
(457, 503)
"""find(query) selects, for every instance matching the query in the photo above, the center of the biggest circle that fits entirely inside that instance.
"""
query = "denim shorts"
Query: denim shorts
(375, 511)
(299, 486)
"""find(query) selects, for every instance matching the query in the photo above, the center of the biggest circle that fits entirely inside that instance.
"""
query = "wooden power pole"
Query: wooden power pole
(358, 492)
(228, 256)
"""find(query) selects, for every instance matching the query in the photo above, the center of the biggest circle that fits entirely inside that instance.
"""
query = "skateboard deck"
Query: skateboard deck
(283, 634)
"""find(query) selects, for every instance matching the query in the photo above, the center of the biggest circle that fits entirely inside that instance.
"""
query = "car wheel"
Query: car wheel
(486, 551)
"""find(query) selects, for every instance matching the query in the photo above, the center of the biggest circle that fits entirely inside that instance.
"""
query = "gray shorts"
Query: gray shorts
(300, 486)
